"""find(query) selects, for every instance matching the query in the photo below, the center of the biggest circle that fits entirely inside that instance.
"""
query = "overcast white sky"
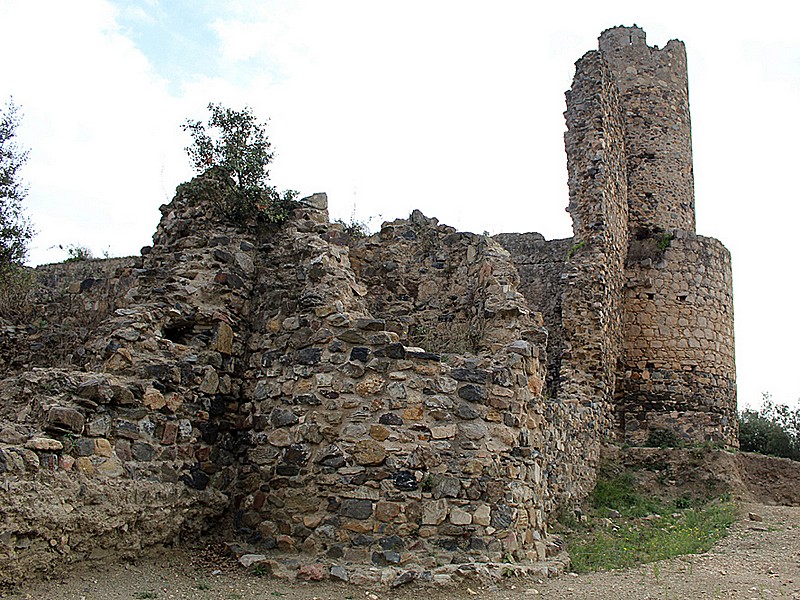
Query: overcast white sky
(452, 107)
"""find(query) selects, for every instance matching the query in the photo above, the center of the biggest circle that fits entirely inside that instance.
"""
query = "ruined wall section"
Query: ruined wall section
(446, 291)
(654, 97)
(364, 450)
(540, 264)
(594, 275)
(151, 421)
(61, 310)
(678, 373)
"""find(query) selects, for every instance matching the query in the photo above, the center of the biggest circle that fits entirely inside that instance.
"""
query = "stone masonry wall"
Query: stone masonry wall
(678, 372)
(395, 404)
(540, 264)
(654, 96)
(363, 450)
(242, 374)
(67, 301)
(593, 278)
(149, 418)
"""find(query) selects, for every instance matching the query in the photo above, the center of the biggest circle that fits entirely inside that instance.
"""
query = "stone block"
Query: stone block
(434, 512)
(225, 336)
(62, 418)
(356, 509)
(369, 452)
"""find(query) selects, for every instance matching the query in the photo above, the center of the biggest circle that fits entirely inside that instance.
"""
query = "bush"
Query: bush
(662, 438)
(772, 430)
(238, 149)
(16, 285)
(77, 253)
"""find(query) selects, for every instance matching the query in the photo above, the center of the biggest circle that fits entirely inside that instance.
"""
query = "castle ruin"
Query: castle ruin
(401, 403)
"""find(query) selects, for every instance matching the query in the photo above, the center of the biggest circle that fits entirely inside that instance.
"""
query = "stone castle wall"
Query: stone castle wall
(394, 404)
(244, 376)
(540, 264)
(592, 276)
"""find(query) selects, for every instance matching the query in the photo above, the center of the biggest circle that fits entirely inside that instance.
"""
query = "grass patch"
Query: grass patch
(618, 492)
(202, 584)
(575, 247)
(638, 541)
(643, 529)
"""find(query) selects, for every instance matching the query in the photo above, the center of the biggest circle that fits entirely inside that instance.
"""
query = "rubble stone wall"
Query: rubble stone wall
(406, 400)
(591, 305)
(540, 264)
(242, 375)
(153, 404)
(64, 305)
(363, 449)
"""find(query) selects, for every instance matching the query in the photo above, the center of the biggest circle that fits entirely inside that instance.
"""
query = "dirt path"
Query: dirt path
(758, 560)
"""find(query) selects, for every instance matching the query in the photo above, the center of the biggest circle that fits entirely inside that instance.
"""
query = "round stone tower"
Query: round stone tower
(676, 372)
(654, 95)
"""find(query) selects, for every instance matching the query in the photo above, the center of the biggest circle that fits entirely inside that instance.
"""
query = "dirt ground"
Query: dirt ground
(760, 559)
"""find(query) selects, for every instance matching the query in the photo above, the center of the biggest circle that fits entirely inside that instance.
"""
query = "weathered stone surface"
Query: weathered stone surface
(65, 419)
(153, 399)
(482, 515)
(326, 423)
(340, 573)
(44, 444)
(369, 453)
(390, 419)
(315, 572)
(445, 487)
(224, 331)
(471, 375)
(280, 438)
(379, 432)
(387, 511)
(282, 417)
(434, 513)
(472, 393)
(465, 411)
(443, 432)
(460, 517)
(248, 560)
(370, 386)
(210, 383)
(356, 509)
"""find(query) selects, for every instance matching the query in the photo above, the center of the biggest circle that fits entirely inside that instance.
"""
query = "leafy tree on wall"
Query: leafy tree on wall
(15, 228)
(234, 144)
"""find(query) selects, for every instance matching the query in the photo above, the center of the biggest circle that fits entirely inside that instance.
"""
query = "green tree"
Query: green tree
(235, 144)
(15, 228)
(773, 430)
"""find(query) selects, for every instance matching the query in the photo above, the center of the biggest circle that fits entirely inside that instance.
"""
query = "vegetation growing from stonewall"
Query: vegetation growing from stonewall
(235, 148)
(624, 527)
(774, 429)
